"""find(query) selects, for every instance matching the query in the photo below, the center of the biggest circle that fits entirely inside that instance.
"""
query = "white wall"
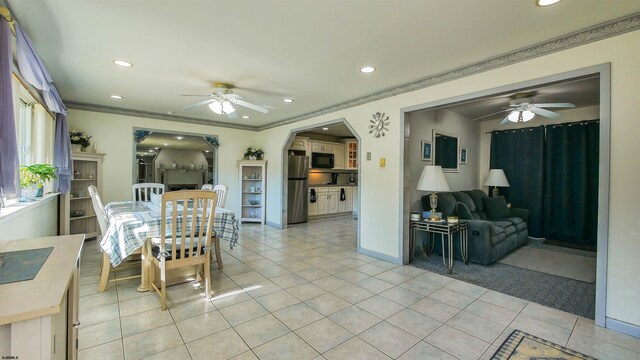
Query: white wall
(380, 187)
(114, 136)
(422, 125)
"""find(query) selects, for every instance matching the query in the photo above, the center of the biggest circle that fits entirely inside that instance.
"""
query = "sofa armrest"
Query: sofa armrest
(479, 233)
(521, 213)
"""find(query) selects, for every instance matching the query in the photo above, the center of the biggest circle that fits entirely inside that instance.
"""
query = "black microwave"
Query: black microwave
(321, 161)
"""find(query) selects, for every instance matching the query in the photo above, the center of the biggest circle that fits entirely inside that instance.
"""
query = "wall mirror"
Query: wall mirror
(445, 150)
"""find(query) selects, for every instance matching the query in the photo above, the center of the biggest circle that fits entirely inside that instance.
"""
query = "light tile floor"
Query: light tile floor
(304, 293)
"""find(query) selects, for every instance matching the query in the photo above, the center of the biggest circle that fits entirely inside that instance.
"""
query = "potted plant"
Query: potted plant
(33, 177)
(253, 154)
(79, 140)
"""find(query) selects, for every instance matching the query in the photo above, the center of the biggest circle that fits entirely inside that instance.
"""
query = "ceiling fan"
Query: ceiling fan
(222, 100)
(523, 109)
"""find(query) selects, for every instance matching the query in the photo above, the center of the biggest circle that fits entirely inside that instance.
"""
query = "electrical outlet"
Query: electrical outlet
(368, 155)
(383, 162)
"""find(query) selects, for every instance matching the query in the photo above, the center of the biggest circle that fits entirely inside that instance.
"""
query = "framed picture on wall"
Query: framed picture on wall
(463, 156)
(425, 146)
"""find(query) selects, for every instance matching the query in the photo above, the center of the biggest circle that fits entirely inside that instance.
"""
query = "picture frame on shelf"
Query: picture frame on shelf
(426, 153)
(463, 155)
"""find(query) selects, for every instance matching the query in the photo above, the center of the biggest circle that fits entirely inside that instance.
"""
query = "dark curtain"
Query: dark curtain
(571, 182)
(520, 153)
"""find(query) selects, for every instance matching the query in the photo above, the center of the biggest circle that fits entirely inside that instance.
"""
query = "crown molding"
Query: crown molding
(153, 115)
(581, 37)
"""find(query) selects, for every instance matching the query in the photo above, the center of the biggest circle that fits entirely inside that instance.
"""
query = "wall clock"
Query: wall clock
(378, 125)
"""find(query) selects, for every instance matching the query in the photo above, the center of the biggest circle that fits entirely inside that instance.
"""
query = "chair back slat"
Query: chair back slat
(221, 192)
(98, 208)
(143, 191)
(197, 214)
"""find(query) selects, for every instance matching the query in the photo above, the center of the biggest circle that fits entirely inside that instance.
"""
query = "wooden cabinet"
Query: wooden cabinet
(333, 198)
(253, 187)
(321, 147)
(338, 156)
(313, 206)
(77, 214)
(351, 154)
(299, 143)
(39, 317)
(348, 203)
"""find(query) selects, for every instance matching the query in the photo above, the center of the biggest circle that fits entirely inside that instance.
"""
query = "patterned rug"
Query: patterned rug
(522, 346)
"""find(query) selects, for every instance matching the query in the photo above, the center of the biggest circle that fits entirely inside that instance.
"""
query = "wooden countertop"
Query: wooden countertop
(41, 296)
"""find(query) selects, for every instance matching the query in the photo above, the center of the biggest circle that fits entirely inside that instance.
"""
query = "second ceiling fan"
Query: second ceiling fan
(523, 109)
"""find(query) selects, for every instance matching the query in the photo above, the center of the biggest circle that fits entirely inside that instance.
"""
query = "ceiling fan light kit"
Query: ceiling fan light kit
(222, 101)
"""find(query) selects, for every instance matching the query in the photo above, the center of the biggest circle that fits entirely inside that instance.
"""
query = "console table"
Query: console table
(442, 228)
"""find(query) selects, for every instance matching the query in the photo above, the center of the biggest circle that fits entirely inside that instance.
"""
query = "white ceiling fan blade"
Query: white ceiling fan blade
(505, 120)
(208, 101)
(233, 115)
(200, 95)
(556, 105)
(250, 105)
(486, 116)
(545, 113)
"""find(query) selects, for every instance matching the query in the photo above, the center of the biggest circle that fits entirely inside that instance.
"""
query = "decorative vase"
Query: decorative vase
(76, 147)
(83, 149)
(29, 192)
(252, 157)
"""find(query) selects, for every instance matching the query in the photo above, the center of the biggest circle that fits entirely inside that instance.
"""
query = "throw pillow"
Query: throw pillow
(496, 207)
(463, 211)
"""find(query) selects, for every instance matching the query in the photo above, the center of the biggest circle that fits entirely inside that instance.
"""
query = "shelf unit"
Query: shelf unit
(89, 168)
(351, 154)
(253, 187)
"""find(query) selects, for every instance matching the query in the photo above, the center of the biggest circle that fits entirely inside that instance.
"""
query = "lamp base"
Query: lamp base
(433, 216)
(433, 199)
(495, 191)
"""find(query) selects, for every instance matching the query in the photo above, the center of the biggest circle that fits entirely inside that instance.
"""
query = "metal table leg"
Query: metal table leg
(463, 246)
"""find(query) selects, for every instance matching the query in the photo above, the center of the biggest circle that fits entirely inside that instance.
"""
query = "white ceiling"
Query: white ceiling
(309, 50)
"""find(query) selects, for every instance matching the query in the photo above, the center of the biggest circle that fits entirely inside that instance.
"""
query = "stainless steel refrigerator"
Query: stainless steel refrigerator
(298, 202)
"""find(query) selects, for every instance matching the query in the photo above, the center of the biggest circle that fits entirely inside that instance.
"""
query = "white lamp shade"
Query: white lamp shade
(432, 179)
(496, 177)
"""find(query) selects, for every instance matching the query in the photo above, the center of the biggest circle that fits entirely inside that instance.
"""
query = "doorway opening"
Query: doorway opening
(479, 151)
(321, 174)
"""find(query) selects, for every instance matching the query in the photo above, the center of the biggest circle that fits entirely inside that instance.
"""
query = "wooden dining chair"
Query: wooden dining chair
(185, 237)
(103, 223)
(221, 191)
(207, 187)
(143, 191)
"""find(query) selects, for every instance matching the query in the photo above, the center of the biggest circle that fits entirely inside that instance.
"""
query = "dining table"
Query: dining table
(133, 223)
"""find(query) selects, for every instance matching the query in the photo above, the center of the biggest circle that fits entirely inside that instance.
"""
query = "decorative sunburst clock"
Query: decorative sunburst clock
(378, 125)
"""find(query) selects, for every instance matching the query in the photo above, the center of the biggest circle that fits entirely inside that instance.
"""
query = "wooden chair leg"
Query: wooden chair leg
(104, 274)
(216, 243)
(207, 275)
(163, 291)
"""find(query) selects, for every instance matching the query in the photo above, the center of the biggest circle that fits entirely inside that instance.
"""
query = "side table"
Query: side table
(443, 228)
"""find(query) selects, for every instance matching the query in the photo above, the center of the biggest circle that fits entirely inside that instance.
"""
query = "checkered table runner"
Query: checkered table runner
(132, 223)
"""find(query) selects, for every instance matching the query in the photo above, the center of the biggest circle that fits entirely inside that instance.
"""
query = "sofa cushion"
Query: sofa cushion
(477, 196)
(446, 204)
(463, 212)
(479, 215)
(496, 207)
(514, 220)
(465, 199)
(505, 225)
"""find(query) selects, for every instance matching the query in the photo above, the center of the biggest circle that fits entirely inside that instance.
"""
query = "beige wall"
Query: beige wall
(114, 137)
(381, 193)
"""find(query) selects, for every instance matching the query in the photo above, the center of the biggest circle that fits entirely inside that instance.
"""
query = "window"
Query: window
(24, 125)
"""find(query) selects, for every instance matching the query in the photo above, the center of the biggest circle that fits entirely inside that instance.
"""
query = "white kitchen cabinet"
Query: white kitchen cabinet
(253, 187)
(338, 156)
(313, 206)
(321, 147)
(348, 206)
(351, 154)
(356, 205)
(299, 143)
(333, 200)
(322, 196)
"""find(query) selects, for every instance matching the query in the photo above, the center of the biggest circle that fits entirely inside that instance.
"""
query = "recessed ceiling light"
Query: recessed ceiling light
(117, 97)
(165, 144)
(170, 112)
(150, 150)
(122, 63)
(325, 129)
(157, 148)
(246, 117)
(367, 69)
(546, 2)
(206, 151)
(287, 100)
(179, 137)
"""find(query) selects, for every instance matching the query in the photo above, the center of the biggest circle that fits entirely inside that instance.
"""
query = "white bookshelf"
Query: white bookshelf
(253, 187)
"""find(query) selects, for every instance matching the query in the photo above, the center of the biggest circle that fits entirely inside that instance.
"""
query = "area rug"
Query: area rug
(523, 346)
(552, 262)
(573, 296)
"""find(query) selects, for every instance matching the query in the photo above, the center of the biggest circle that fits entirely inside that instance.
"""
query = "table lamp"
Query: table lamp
(495, 178)
(432, 179)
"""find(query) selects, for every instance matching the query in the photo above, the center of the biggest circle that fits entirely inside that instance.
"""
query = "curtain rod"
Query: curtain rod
(580, 122)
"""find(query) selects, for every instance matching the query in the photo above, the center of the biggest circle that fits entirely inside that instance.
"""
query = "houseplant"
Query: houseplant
(253, 154)
(33, 177)
(79, 140)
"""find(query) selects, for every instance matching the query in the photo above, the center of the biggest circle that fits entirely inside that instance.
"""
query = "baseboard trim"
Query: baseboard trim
(381, 256)
(275, 225)
(623, 327)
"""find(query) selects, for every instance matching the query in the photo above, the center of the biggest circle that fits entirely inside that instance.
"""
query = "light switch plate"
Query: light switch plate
(368, 155)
